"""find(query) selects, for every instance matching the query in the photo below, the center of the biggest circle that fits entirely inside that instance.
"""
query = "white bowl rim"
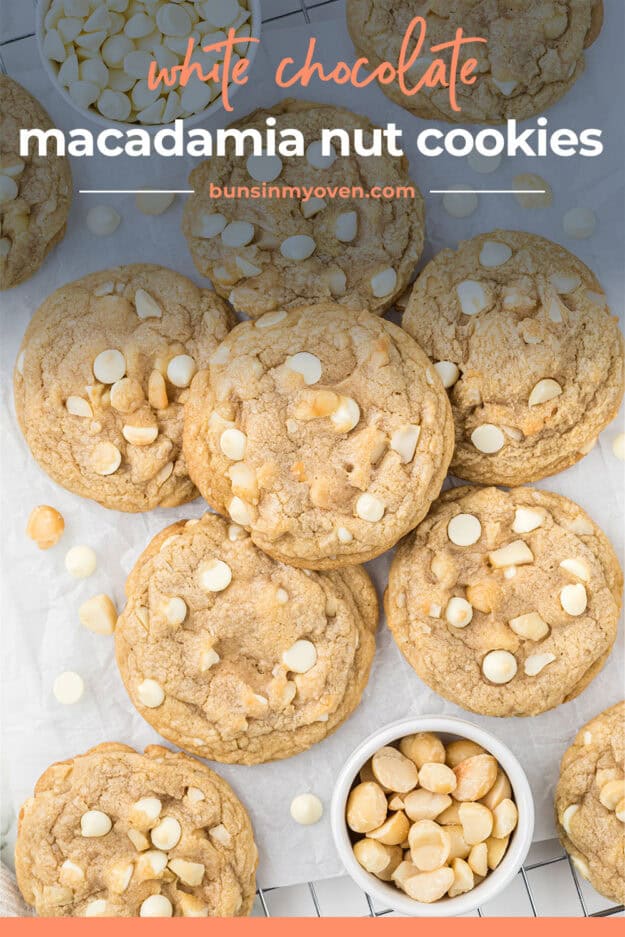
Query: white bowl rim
(213, 108)
(495, 881)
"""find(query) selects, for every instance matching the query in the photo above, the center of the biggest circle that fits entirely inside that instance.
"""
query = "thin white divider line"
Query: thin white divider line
(487, 191)
(136, 191)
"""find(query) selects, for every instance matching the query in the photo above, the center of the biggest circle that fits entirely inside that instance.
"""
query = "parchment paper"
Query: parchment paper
(41, 635)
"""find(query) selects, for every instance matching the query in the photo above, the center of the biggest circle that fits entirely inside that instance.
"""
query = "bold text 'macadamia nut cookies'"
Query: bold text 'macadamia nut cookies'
(35, 191)
(590, 802)
(102, 377)
(505, 603)
(532, 55)
(306, 246)
(114, 833)
(524, 341)
(236, 657)
(324, 432)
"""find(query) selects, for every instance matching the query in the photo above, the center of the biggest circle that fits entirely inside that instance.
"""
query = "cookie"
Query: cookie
(325, 432)
(525, 343)
(238, 658)
(102, 377)
(590, 802)
(270, 253)
(505, 602)
(113, 833)
(534, 52)
(35, 191)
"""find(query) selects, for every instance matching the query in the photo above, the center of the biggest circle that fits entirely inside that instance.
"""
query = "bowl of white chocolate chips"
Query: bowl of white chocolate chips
(98, 54)
(432, 816)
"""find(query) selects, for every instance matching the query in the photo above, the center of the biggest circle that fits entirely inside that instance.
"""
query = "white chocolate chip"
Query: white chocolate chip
(300, 657)
(154, 203)
(96, 908)
(464, 530)
(140, 435)
(68, 687)
(109, 366)
(618, 446)
(208, 659)
(156, 905)
(346, 226)
(579, 223)
(150, 864)
(312, 206)
(232, 443)
(344, 535)
(567, 816)
(534, 192)
(98, 614)
(102, 220)
(434, 610)
(189, 873)
(247, 269)
(573, 599)
(383, 283)
(526, 520)
(577, 568)
(369, 508)
(337, 281)
(208, 226)
(119, 877)
(282, 596)
(175, 611)
(458, 612)
(114, 104)
(306, 809)
(139, 840)
(315, 158)
(95, 823)
(214, 575)
(298, 247)
(270, 319)
(516, 553)
(346, 416)
(494, 254)
(146, 306)
(264, 168)
(78, 406)
(472, 297)
(240, 512)
(544, 391)
(238, 234)
(80, 562)
(565, 283)
(404, 441)
(587, 738)
(180, 370)
(499, 666)
(309, 366)
(106, 458)
(537, 662)
(220, 834)
(448, 373)
(71, 873)
(459, 203)
(150, 694)
(506, 87)
(166, 834)
(195, 795)
(488, 438)
(530, 626)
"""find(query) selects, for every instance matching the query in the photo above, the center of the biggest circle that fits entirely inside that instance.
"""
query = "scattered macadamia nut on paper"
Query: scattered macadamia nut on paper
(436, 816)
(45, 526)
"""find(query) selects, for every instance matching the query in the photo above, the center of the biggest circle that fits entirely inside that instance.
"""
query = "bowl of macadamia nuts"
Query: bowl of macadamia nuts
(432, 816)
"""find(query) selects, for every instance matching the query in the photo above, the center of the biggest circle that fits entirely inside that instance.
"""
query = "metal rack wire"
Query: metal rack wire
(293, 13)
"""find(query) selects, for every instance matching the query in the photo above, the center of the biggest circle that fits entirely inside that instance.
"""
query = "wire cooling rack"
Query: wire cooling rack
(548, 883)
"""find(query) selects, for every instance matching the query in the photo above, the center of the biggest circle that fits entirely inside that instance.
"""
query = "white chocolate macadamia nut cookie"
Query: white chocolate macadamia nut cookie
(533, 358)
(102, 377)
(35, 191)
(271, 253)
(590, 802)
(114, 833)
(235, 657)
(512, 623)
(342, 434)
(102, 52)
(532, 54)
(436, 818)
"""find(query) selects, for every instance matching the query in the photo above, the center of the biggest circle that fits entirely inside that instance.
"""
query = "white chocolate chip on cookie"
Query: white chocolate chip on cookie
(370, 508)
(306, 364)
(448, 373)
(537, 662)
(526, 520)
(488, 438)
(300, 657)
(109, 366)
(384, 282)
(472, 297)
(232, 443)
(298, 247)
(459, 612)
(577, 568)
(404, 441)
(499, 666)
(530, 626)
(495, 254)
(544, 391)
(573, 599)
(106, 458)
(95, 823)
(464, 530)
(214, 575)
(180, 370)
(150, 693)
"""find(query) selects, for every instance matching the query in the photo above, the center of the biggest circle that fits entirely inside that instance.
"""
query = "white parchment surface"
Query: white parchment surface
(41, 635)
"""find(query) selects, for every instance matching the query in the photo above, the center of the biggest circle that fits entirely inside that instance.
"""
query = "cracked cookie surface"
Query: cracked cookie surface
(101, 380)
(35, 191)
(236, 657)
(533, 55)
(116, 833)
(505, 602)
(533, 361)
(590, 802)
(269, 253)
(324, 432)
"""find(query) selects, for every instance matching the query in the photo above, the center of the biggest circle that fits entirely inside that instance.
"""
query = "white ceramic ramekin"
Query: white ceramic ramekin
(448, 728)
(92, 114)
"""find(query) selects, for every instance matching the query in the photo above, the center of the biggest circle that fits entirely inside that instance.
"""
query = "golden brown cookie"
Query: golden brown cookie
(35, 191)
(102, 377)
(113, 833)
(524, 341)
(326, 433)
(238, 658)
(505, 602)
(590, 802)
(534, 52)
(271, 253)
